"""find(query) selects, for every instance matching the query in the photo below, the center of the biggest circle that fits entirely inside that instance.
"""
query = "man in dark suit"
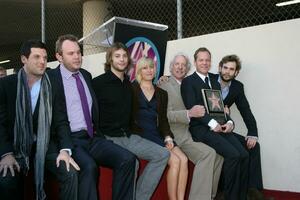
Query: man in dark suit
(233, 92)
(28, 107)
(91, 149)
(207, 130)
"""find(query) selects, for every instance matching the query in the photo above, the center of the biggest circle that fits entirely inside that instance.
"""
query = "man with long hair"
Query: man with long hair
(114, 95)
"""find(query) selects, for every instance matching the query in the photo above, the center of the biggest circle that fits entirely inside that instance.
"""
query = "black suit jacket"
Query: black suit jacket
(237, 95)
(57, 84)
(8, 93)
(191, 94)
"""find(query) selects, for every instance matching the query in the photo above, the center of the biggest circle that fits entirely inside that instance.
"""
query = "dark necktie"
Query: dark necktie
(84, 104)
(207, 82)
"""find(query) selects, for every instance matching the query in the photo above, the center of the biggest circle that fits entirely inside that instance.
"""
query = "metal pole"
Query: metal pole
(179, 19)
(43, 20)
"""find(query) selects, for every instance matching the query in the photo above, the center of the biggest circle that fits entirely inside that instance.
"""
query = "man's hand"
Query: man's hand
(9, 162)
(251, 142)
(196, 111)
(63, 155)
(226, 110)
(217, 129)
(162, 79)
(227, 128)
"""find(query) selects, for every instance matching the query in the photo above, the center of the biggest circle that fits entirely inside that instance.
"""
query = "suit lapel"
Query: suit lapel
(175, 87)
(214, 83)
(231, 93)
(199, 81)
(59, 78)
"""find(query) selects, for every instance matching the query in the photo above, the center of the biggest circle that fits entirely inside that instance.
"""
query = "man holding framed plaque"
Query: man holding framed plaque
(207, 130)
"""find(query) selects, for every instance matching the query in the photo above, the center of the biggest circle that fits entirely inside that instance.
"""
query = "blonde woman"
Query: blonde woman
(150, 120)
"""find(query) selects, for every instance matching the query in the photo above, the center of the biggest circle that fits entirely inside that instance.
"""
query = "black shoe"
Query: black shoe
(255, 194)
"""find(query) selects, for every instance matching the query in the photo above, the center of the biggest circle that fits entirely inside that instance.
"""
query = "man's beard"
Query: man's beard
(226, 80)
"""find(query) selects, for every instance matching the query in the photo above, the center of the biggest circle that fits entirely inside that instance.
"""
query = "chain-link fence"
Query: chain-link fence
(205, 16)
(21, 19)
(17, 21)
(62, 19)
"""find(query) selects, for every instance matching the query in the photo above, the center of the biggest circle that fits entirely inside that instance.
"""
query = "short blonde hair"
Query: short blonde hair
(142, 62)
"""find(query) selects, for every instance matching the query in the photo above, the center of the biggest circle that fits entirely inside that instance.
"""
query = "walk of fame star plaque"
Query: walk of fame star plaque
(214, 105)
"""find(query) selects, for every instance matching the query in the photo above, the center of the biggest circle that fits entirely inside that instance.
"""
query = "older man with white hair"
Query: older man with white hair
(208, 163)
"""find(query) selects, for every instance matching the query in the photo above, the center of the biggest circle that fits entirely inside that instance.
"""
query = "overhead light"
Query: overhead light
(285, 3)
(4, 61)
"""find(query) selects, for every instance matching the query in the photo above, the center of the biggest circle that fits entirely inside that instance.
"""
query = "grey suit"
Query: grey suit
(208, 164)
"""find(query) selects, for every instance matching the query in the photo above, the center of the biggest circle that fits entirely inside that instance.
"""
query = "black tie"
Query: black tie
(207, 82)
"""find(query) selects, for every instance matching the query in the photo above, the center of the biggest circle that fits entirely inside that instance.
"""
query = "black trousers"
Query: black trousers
(12, 188)
(92, 153)
(255, 174)
(236, 160)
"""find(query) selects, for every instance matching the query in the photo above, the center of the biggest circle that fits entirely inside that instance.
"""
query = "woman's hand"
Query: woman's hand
(169, 143)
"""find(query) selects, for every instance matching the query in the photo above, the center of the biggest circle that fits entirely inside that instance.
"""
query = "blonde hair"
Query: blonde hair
(142, 62)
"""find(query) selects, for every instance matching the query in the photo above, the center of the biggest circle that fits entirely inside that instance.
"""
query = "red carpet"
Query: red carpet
(281, 195)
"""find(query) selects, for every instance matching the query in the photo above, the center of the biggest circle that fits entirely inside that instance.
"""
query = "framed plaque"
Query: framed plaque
(214, 105)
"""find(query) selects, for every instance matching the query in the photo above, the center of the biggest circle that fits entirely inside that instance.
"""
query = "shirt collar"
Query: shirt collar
(179, 82)
(37, 83)
(202, 76)
(65, 72)
(112, 76)
(219, 80)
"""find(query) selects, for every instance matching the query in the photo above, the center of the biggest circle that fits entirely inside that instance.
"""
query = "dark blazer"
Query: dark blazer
(237, 95)
(8, 90)
(162, 105)
(57, 84)
(191, 94)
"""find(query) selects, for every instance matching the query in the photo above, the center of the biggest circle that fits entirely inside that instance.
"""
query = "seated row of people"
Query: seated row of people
(67, 123)
(183, 98)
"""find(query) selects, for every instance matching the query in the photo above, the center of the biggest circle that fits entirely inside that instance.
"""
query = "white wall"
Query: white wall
(270, 71)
